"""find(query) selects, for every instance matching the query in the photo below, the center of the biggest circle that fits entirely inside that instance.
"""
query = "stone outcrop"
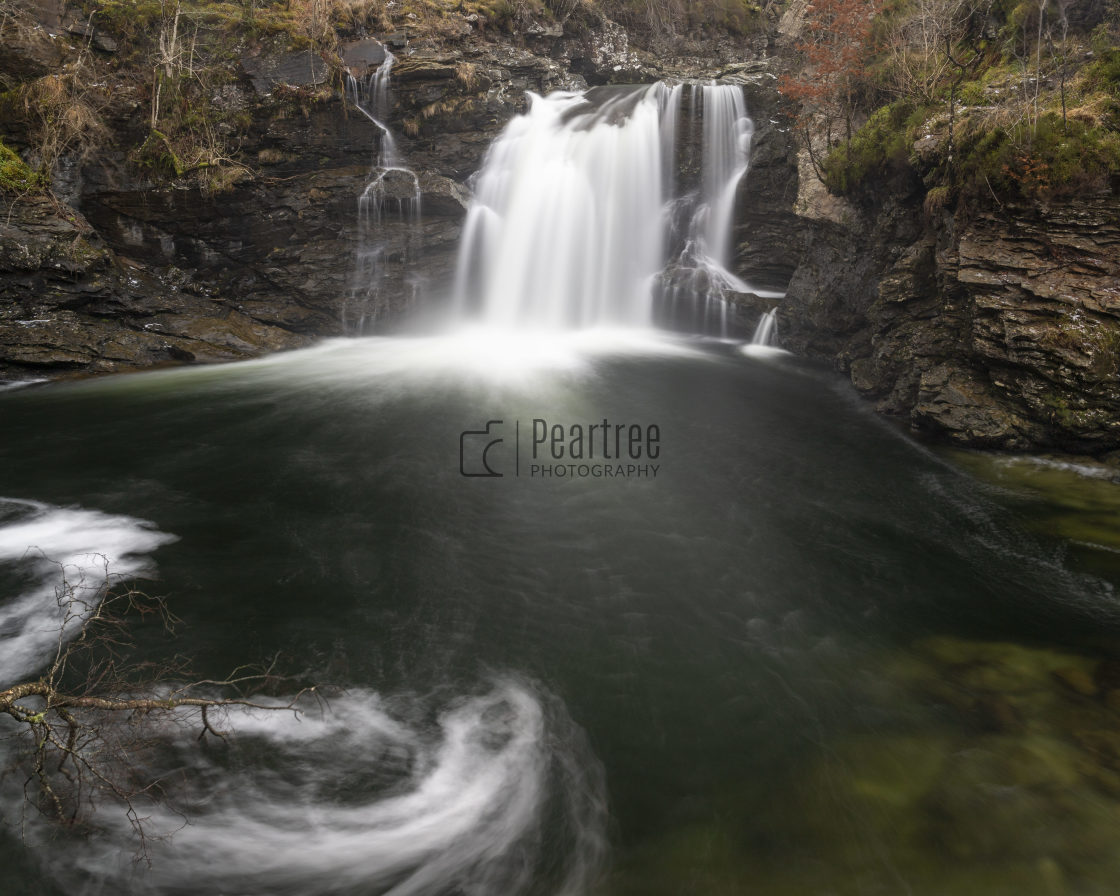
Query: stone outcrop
(997, 329)
(68, 304)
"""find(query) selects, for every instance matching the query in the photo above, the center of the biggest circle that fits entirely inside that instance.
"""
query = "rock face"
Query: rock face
(996, 329)
(69, 305)
(768, 232)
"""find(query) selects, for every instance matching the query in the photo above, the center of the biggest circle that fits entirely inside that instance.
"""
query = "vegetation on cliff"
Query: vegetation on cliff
(175, 64)
(15, 175)
(984, 101)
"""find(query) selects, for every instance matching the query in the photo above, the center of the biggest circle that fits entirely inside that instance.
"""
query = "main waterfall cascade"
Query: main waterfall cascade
(567, 225)
(393, 191)
(572, 221)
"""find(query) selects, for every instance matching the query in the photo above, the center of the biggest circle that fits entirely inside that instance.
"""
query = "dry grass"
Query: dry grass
(468, 74)
(65, 110)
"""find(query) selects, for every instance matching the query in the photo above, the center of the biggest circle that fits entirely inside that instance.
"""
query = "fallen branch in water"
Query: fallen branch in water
(85, 724)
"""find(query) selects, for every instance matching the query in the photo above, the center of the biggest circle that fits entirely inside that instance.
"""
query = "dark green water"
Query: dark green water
(770, 669)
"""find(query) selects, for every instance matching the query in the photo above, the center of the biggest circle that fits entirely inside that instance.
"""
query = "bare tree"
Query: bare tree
(84, 725)
(1060, 50)
(915, 45)
(65, 111)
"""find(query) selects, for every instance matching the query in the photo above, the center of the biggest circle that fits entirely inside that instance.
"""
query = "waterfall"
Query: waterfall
(726, 156)
(577, 203)
(568, 224)
(766, 333)
(701, 278)
(392, 193)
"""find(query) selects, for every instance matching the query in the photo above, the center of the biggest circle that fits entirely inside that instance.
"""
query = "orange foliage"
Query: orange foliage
(835, 46)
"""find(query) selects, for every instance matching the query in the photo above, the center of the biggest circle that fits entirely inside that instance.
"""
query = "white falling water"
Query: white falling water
(569, 220)
(570, 225)
(726, 156)
(766, 333)
(764, 343)
(393, 192)
(703, 278)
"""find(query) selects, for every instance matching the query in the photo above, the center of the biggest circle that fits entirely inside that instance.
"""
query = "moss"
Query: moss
(881, 145)
(937, 199)
(1052, 160)
(15, 175)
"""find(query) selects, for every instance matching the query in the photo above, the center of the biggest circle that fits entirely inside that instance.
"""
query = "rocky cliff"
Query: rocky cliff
(995, 328)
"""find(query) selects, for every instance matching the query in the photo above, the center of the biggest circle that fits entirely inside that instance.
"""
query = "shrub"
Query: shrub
(881, 146)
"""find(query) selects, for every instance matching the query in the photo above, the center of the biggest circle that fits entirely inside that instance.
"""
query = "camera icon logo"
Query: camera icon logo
(475, 446)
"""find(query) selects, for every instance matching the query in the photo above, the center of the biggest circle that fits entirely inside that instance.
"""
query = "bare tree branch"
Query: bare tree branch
(86, 722)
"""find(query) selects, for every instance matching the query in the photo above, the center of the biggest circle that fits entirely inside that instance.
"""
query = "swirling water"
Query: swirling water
(726, 677)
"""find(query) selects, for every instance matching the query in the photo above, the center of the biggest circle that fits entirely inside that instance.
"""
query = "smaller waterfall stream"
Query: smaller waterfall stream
(766, 333)
(696, 290)
(392, 194)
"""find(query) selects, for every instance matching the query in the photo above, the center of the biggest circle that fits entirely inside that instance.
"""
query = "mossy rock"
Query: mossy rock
(15, 175)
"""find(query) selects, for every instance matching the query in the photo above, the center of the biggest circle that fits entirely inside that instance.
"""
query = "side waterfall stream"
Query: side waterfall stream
(779, 648)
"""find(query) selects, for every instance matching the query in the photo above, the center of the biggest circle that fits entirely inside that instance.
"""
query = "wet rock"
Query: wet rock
(425, 67)
(442, 196)
(300, 69)
(27, 54)
(93, 37)
(397, 185)
(997, 330)
(961, 404)
(363, 56)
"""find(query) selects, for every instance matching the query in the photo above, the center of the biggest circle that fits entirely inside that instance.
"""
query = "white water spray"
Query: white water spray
(498, 794)
(495, 791)
(71, 556)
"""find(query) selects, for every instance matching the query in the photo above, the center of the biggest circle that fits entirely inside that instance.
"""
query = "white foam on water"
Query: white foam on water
(493, 792)
(1086, 469)
(498, 795)
(68, 556)
(753, 350)
(379, 365)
